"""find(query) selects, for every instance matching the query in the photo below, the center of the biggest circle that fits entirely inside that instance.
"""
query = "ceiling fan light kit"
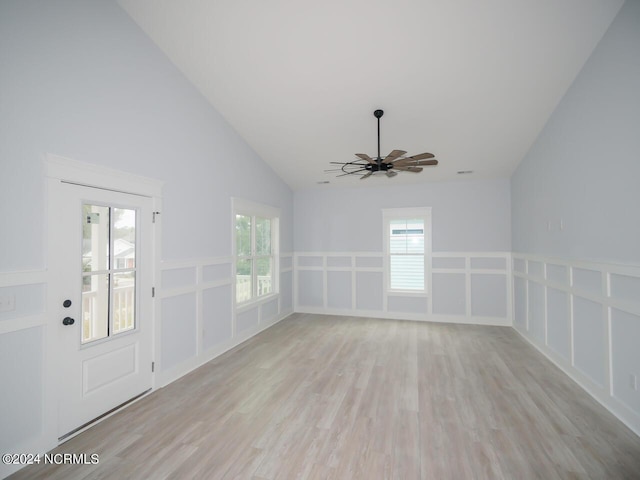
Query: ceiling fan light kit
(390, 165)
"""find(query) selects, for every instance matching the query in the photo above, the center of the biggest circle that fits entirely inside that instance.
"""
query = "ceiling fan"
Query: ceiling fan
(393, 163)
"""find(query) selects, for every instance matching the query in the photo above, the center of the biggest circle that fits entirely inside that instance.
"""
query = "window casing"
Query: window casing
(255, 241)
(407, 249)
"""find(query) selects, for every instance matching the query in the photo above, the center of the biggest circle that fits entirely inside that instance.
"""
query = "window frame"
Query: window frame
(252, 209)
(390, 214)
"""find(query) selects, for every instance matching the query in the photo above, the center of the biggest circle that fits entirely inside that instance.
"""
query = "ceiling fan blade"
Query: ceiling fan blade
(420, 156)
(393, 155)
(409, 163)
(408, 169)
(366, 157)
(391, 173)
(351, 173)
(356, 162)
(368, 174)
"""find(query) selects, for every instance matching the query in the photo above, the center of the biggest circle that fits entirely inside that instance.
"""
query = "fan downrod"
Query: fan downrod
(378, 114)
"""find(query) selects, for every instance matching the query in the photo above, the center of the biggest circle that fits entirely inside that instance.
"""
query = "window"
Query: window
(256, 239)
(108, 271)
(407, 248)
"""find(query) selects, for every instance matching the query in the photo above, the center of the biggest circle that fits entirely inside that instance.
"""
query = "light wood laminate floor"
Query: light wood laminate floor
(347, 398)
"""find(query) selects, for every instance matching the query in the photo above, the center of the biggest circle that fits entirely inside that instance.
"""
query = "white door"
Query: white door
(102, 271)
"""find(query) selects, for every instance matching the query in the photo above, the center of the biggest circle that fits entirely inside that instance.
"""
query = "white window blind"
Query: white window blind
(406, 254)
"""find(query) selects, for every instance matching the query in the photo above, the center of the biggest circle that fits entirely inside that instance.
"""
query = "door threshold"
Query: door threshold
(67, 436)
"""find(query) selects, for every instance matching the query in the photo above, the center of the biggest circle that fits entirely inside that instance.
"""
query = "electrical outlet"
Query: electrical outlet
(633, 382)
(7, 303)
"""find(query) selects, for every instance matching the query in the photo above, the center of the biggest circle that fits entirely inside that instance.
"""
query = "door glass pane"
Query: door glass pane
(243, 235)
(95, 307)
(124, 305)
(264, 275)
(109, 297)
(263, 236)
(124, 238)
(243, 279)
(95, 238)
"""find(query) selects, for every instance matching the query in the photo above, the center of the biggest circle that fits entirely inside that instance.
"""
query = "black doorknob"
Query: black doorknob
(68, 321)
(66, 303)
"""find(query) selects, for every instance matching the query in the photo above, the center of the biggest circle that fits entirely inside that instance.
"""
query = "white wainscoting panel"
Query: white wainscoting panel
(286, 290)
(339, 289)
(369, 291)
(178, 327)
(310, 287)
(23, 343)
(216, 316)
(28, 293)
(247, 319)
(462, 287)
(22, 378)
(585, 317)
(449, 292)
(197, 318)
(195, 321)
(178, 277)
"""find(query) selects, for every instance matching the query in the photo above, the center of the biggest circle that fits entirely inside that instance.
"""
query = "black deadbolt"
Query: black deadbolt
(68, 321)
(66, 303)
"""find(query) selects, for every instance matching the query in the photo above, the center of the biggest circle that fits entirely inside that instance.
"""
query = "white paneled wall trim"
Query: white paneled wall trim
(462, 287)
(585, 317)
(192, 279)
(199, 283)
(20, 317)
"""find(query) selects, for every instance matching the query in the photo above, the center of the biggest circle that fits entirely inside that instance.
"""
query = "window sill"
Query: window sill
(408, 293)
(255, 302)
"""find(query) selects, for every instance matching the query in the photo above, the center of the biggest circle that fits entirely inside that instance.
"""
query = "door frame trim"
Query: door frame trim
(90, 175)
(58, 170)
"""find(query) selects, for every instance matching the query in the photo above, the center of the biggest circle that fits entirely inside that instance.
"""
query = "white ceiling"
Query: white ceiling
(473, 82)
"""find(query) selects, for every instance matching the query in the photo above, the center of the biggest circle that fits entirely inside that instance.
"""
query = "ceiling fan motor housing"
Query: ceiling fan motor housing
(380, 166)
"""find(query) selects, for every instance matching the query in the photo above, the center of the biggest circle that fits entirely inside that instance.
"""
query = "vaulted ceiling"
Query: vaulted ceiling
(473, 82)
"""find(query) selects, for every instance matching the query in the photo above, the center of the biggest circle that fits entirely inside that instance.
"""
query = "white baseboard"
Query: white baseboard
(461, 319)
(617, 408)
(594, 282)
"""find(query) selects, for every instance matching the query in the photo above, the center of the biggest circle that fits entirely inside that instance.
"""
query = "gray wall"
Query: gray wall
(576, 233)
(466, 215)
(469, 219)
(584, 168)
(80, 79)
